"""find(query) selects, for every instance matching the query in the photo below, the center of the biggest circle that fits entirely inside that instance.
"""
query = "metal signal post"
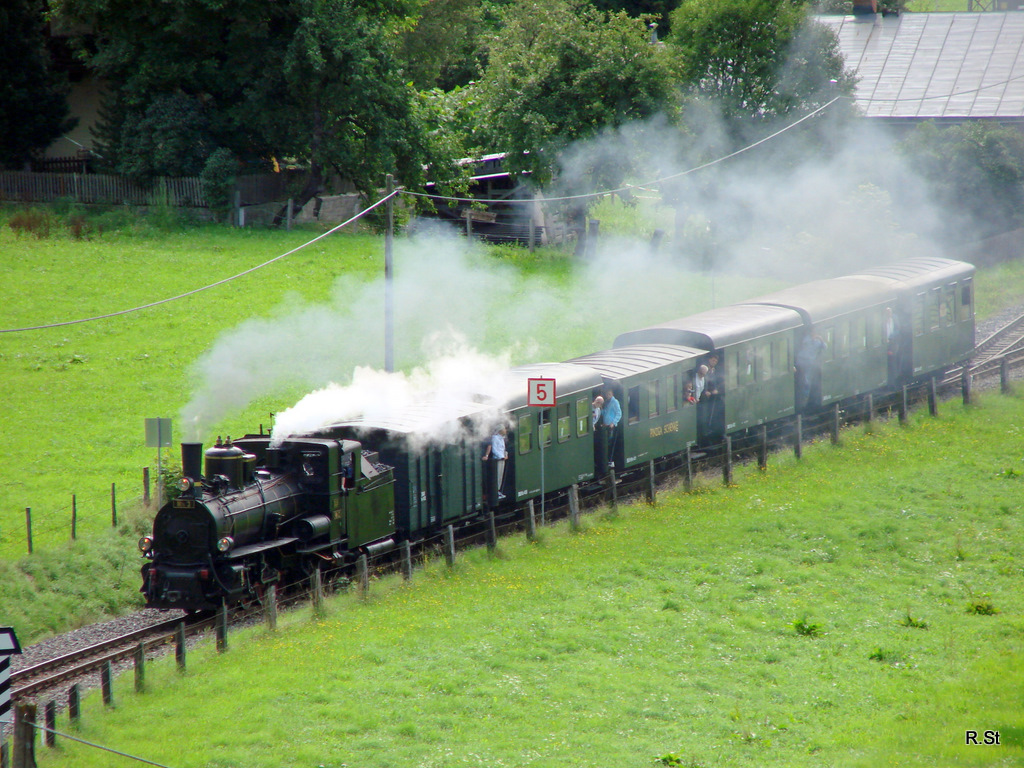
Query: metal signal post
(541, 394)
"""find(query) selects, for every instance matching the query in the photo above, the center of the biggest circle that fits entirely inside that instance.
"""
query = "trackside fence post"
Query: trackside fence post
(613, 491)
(145, 486)
(50, 720)
(727, 462)
(492, 531)
(1004, 376)
(574, 507)
(531, 521)
(933, 399)
(798, 438)
(28, 528)
(222, 621)
(140, 668)
(762, 450)
(74, 517)
(406, 560)
(363, 569)
(652, 492)
(449, 546)
(835, 424)
(965, 385)
(24, 736)
(107, 684)
(179, 647)
(903, 404)
(270, 606)
(688, 482)
(74, 705)
(113, 505)
(870, 409)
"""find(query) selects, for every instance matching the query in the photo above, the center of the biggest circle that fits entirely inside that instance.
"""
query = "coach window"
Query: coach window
(858, 335)
(653, 398)
(675, 388)
(919, 316)
(582, 416)
(965, 300)
(872, 337)
(633, 405)
(731, 370)
(525, 433)
(564, 422)
(934, 302)
(545, 427)
(828, 335)
(947, 310)
(843, 338)
(764, 363)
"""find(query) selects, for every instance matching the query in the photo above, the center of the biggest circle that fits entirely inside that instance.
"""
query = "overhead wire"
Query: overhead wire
(631, 187)
(205, 287)
(97, 746)
(409, 193)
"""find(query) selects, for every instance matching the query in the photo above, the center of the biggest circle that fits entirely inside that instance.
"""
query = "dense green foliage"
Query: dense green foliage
(561, 72)
(861, 607)
(760, 59)
(975, 171)
(33, 111)
(313, 81)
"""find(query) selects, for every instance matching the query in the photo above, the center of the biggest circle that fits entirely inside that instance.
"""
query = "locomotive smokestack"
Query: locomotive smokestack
(192, 460)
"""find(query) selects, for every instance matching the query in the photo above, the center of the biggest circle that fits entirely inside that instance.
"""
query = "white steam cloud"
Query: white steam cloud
(818, 203)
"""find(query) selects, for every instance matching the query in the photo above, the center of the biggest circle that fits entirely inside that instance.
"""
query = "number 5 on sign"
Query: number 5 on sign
(541, 393)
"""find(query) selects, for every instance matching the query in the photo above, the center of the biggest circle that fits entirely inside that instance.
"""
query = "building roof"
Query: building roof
(942, 66)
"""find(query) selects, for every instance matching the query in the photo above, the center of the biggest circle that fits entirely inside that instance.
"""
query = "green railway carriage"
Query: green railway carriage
(935, 305)
(650, 382)
(847, 313)
(435, 450)
(565, 430)
(755, 347)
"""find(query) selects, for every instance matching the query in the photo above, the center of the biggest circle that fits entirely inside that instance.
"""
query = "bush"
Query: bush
(218, 180)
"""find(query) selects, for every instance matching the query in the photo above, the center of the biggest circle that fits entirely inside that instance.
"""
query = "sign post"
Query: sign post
(158, 435)
(8, 647)
(541, 394)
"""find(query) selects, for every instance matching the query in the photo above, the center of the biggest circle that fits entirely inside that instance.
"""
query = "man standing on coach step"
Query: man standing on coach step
(611, 414)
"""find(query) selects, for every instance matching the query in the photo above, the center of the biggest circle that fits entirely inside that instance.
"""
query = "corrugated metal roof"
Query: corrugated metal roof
(629, 361)
(936, 65)
(715, 328)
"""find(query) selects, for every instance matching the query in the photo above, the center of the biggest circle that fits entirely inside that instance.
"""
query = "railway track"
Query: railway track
(30, 682)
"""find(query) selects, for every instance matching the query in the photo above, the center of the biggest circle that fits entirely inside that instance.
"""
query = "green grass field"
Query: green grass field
(860, 607)
(76, 396)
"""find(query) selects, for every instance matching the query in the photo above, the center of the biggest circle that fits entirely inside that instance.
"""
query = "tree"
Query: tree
(33, 107)
(312, 81)
(757, 60)
(562, 71)
(975, 172)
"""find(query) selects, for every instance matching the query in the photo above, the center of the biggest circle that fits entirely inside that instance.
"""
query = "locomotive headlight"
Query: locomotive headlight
(145, 544)
(225, 543)
(185, 484)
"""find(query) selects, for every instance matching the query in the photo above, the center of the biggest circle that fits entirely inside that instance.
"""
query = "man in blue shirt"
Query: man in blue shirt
(497, 454)
(611, 414)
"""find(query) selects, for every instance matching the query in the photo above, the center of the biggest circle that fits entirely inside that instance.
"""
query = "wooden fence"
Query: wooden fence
(27, 187)
(97, 188)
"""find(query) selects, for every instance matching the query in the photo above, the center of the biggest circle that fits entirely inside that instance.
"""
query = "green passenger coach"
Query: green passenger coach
(650, 382)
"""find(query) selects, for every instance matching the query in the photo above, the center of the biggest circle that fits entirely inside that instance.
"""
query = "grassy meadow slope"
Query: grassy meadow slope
(76, 396)
(860, 607)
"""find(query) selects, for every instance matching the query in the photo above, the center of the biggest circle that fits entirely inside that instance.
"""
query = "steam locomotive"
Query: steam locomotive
(260, 510)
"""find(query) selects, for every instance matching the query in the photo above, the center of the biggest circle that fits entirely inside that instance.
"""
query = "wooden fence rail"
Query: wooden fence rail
(27, 187)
